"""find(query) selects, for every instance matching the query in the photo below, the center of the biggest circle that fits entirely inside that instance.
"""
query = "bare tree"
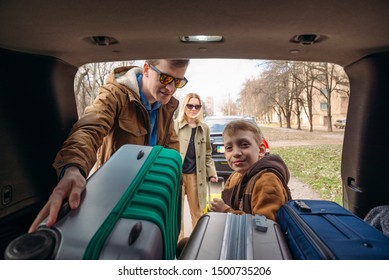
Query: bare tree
(253, 100)
(296, 88)
(88, 80)
(328, 82)
(278, 86)
(289, 88)
(230, 107)
(305, 75)
(270, 92)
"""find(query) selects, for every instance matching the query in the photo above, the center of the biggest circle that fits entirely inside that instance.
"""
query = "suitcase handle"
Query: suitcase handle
(208, 206)
(302, 206)
(64, 210)
(219, 179)
(134, 233)
(260, 222)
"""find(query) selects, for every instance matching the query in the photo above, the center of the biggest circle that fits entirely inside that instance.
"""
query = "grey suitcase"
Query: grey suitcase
(128, 211)
(226, 236)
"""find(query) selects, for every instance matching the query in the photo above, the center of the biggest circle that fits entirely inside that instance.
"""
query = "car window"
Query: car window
(216, 127)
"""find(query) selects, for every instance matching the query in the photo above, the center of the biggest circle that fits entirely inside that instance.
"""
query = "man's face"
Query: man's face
(241, 150)
(153, 88)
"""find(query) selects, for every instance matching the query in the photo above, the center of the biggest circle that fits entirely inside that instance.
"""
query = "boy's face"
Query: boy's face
(241, 150)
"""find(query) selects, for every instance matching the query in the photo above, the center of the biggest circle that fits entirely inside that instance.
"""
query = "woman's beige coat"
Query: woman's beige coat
(204, 164)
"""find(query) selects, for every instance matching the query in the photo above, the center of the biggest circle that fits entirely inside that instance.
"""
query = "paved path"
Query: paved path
(301, 190)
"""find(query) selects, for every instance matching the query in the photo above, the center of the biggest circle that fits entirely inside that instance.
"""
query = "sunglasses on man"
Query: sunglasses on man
(191, 106)
(167, 79)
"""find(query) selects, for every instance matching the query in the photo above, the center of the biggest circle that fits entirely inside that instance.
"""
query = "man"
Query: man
(135, 106)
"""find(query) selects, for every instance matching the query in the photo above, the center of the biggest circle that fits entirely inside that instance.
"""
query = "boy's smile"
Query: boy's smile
(241, 150)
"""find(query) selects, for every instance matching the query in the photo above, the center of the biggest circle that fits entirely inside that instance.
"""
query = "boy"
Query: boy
(259, 182)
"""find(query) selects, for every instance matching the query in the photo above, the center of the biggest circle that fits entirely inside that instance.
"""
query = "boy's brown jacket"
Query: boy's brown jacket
(262, 190)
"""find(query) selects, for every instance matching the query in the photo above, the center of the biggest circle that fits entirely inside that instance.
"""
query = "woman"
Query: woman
(196, 152)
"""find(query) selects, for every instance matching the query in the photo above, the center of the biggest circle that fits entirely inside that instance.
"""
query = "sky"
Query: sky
(219, 78)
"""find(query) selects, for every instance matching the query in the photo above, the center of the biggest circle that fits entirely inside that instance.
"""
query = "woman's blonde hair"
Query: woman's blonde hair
(181, 114)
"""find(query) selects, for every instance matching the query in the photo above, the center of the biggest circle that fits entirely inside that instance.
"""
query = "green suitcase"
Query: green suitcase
(131, 209)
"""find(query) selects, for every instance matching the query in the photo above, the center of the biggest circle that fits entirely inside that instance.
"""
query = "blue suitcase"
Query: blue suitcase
(320, 229)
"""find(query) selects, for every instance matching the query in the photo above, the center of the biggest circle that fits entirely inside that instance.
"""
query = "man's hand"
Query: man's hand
(70, 186)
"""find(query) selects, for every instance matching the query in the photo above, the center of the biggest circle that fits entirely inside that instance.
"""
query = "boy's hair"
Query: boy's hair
(233, 126)
(181, 114)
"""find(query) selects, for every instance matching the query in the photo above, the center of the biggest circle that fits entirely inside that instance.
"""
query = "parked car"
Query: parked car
(340, 124)
(43, 44)
(216, 126)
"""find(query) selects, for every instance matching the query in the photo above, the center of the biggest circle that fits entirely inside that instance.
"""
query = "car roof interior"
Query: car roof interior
(42, 44)
(346, 30)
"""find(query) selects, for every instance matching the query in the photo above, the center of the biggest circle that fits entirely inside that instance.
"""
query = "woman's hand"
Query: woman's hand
(214, 179)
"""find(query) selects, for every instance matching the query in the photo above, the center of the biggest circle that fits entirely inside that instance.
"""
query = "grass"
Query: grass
(317, 166)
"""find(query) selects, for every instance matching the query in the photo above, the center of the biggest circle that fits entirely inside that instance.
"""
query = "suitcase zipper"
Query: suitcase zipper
(321, 248)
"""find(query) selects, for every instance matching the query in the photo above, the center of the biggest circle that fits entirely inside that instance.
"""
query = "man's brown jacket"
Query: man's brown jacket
(117, 117)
